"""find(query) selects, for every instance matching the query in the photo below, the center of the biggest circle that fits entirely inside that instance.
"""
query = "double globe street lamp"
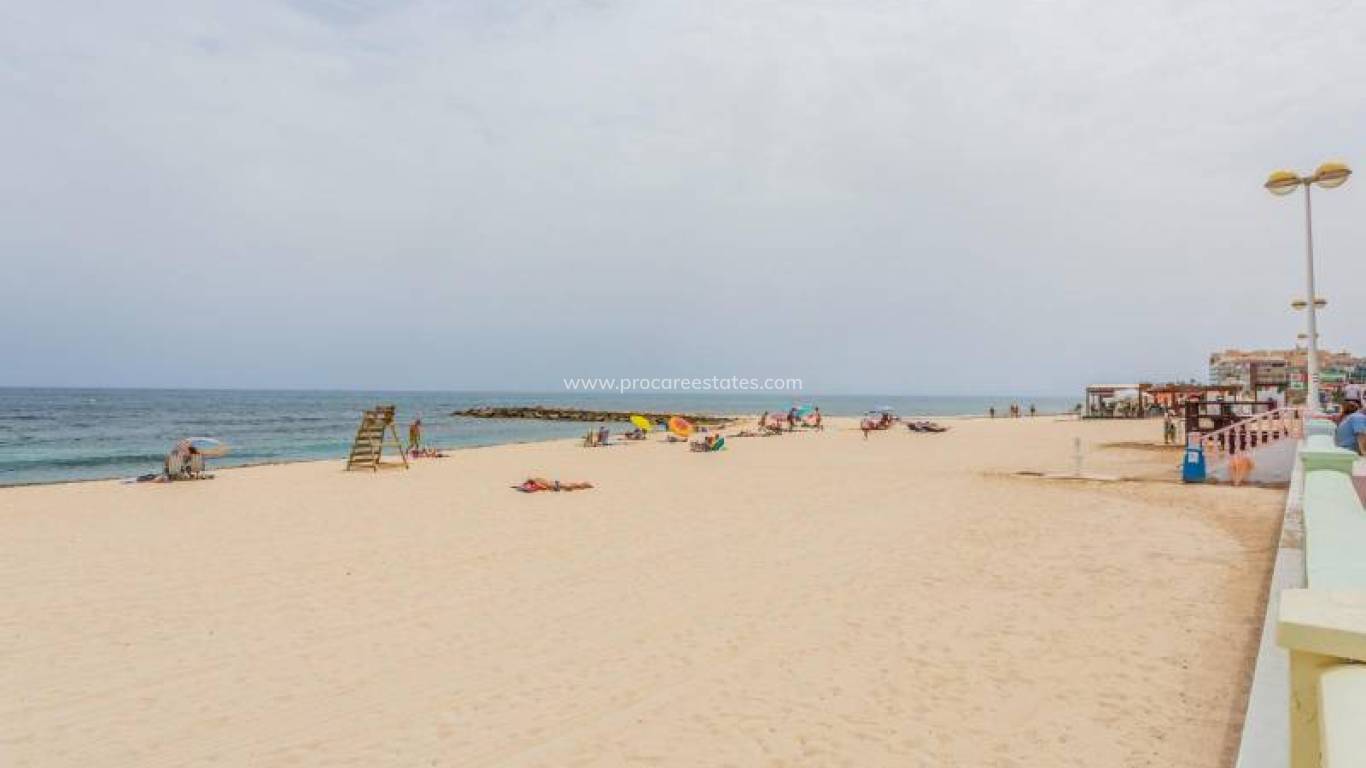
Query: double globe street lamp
(1328, 176)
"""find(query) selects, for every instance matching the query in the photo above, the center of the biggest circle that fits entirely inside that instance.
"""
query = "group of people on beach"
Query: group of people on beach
(771, 423)
(872, 423)
(880, 420)
(1014, 411)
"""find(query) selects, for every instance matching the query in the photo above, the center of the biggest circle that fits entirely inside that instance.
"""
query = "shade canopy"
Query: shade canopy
(642, 422)
(207, 446)
(680, 426)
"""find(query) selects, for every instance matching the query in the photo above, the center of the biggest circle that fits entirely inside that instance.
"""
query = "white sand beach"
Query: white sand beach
(812, 599)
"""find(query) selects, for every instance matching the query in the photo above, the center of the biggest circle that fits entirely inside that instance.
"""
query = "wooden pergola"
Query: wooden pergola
(1109, 400)
(1175, 395)
(1103, 400)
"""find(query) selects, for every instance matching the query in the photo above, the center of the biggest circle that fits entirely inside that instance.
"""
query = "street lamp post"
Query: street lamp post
(1328, 175)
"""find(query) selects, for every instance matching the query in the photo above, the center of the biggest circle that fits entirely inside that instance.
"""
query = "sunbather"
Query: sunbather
(535, 484)
(708, 443)
(925, 426)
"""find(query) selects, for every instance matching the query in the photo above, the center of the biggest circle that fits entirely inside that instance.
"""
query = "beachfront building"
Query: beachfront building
(1281, 373)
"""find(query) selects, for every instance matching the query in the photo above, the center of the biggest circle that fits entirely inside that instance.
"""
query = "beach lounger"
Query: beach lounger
(702, 447)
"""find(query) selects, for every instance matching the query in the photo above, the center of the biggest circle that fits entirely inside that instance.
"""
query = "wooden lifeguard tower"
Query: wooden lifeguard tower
(376, 427)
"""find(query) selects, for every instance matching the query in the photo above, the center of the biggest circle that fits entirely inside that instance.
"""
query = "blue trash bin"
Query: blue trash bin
(1193, 466)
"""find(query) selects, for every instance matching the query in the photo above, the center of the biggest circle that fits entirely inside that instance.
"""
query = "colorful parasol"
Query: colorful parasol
(207, 446)
(680, 426)
(642, 422)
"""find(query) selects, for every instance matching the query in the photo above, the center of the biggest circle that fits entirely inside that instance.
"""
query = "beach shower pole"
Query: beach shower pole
(1328, 175)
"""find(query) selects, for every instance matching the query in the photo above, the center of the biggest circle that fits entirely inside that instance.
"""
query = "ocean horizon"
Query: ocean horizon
(53, 434)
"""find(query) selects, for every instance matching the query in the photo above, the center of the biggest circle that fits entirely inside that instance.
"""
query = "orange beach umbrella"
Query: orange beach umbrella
(680, 426)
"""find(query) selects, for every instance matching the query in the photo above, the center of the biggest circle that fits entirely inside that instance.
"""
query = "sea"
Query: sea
(63, 435)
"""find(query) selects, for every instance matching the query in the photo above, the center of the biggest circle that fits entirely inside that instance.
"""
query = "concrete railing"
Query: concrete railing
(1254, 432)
(1324, 625)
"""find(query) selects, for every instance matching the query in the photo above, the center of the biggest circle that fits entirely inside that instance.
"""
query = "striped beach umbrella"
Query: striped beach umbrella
(208, 447)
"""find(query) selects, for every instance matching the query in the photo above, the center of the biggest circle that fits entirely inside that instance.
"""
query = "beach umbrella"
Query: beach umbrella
(208, 447)
(680, 426)
(803, 410)
(643, 423)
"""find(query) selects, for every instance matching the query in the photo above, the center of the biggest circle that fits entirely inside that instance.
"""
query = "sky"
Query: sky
(902, 197)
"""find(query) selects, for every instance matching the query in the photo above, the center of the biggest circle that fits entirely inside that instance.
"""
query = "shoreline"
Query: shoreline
(732, 420)
(280, 463)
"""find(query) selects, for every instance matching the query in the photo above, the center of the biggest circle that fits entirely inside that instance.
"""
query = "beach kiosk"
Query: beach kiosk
(1112, 401)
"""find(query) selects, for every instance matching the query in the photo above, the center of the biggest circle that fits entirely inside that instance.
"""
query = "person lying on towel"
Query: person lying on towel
(534, 484)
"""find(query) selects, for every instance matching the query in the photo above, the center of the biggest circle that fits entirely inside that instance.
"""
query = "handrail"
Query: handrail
(1254, 432)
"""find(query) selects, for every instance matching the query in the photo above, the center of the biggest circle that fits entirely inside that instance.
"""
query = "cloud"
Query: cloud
(882, 196)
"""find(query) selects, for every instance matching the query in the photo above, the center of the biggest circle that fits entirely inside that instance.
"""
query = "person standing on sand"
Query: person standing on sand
(415, 435)
(1168, 428)
(791, 418)
(991, 412)
(1032, 412)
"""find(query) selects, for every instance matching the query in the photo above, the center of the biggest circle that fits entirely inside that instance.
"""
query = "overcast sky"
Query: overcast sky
(897, 197)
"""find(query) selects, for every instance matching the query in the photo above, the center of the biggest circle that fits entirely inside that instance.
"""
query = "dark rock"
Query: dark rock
(575, 414)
